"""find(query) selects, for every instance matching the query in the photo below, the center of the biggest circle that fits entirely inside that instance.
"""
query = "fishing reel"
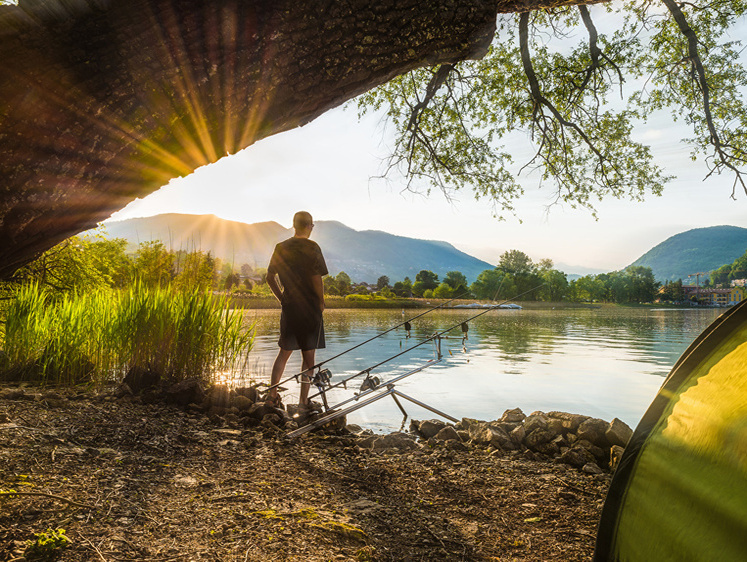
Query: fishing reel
(369, 383)
(322, 378)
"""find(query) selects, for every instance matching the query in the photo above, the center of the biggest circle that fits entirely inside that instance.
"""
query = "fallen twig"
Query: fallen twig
(231, 497)
(51, 496)
(14, 426)
(94, 547)
(435, 536)
(572, 487)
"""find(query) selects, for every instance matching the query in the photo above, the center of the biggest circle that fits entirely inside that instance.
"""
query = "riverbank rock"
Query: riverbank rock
(250, 392)
(398, 440)
(576, 457)
(448, 433)
(188, 391)
(429, 428)
(259, 410)
(569, 422)
(140, 379)
(588, 444)
(493, 435)
(217, 398)
(618, 433)
(594, 430)
(513, 416)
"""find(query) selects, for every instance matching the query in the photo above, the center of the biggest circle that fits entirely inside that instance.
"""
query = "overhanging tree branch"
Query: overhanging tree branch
(594, 51)
(433, 86)
(699, 77)
(540, 101)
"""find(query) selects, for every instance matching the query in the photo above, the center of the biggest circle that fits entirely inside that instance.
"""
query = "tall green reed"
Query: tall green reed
(176, 335)
(75, 350)
(26, 332)
(157, 333)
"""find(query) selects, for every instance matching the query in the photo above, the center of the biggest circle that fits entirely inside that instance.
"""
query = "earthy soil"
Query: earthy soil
(150, 482)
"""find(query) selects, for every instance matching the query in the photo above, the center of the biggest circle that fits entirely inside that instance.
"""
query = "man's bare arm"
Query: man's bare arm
(316, 281)
(272, 282)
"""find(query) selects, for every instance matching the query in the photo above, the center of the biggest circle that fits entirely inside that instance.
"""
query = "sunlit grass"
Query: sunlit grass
(162, 334)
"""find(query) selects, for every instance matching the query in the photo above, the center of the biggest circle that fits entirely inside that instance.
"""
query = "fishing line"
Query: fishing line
(292, 377)
(430, 338)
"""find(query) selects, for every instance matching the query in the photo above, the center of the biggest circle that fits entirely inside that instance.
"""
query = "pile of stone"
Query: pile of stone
(590, 444)
(240, 406)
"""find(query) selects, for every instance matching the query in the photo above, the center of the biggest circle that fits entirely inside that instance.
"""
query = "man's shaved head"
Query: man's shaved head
(302, 220)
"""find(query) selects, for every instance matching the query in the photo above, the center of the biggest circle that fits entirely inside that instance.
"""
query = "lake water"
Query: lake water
(606, 363)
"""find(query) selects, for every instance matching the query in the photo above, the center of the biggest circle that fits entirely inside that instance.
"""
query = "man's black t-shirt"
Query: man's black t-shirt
(296, 261)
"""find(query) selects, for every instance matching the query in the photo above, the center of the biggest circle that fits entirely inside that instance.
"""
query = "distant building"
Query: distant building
(738, 294)
(739, 282)
(709, 296)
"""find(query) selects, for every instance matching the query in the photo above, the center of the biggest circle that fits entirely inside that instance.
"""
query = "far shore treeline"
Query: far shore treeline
(89, 311)
(84, 264)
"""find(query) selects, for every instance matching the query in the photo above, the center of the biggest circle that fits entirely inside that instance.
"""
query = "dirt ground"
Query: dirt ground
(149, 482)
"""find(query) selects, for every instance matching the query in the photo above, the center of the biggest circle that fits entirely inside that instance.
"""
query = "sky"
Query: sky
(329, 168)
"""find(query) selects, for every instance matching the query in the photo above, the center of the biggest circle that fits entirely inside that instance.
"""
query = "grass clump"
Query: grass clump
(106, 335)
(47, 545)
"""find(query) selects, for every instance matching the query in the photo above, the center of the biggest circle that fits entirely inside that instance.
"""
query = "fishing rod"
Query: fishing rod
(376, 384)
(376, 390)
(405, 323)
(325, 381)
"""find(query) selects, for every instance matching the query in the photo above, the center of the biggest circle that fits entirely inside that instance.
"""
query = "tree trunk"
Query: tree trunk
(103, 101)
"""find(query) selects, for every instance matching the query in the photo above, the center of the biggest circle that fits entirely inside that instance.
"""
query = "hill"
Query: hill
(695, 251)
(364, 255)
(229, 240)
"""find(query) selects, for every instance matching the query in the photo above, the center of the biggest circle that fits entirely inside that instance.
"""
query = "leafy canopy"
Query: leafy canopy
(577, 101)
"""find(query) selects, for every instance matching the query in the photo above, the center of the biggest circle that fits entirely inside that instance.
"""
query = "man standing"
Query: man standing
(295, 278)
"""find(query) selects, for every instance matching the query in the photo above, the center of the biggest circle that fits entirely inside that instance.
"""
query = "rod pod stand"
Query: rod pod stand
(334, 413)
(390, 391)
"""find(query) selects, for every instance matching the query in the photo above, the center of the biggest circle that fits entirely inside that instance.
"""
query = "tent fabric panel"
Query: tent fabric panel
(685, 503)
(681, 487)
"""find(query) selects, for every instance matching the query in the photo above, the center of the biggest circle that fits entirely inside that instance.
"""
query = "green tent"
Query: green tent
(680, 490)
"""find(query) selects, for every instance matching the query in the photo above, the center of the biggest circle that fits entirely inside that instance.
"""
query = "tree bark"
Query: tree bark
(103, 101)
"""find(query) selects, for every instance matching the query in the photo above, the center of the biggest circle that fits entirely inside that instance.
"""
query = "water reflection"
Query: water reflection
(600, 362)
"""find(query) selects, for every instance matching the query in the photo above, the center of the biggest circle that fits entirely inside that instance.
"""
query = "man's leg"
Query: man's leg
(278, 367)
(308, 363)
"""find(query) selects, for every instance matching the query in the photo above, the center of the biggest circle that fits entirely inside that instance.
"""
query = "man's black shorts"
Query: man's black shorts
(301, 328)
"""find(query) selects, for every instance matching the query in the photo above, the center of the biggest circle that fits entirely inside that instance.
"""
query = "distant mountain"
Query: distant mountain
(695, 251)
(229, 240)
(578, 270)
(364, 255)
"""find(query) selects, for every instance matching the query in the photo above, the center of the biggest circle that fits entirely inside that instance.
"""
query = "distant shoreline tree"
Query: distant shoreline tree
(728, 272)
(635, 284)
